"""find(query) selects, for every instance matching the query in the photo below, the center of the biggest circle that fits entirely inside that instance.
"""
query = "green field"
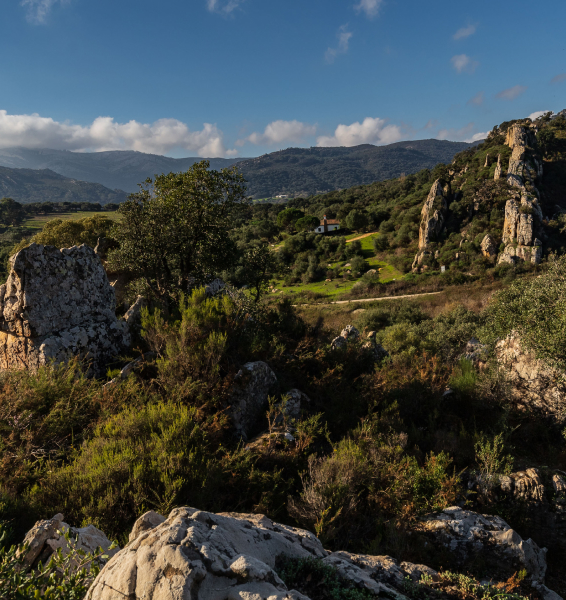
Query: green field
(333, 289)
(38, 221)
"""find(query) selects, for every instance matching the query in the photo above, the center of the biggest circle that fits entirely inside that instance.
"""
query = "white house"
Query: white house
(327, 225)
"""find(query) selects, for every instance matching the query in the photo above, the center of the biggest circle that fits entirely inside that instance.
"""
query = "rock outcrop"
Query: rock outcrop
(196, 554)
(433, 216)
(523, 215)
(47, 536)
(535, 387)
(488, 247)
(249, 399)
(56, 305)
(467, 534)
(498, 168)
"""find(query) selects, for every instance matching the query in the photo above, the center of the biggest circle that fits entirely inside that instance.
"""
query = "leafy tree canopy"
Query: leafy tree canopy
(174, 231)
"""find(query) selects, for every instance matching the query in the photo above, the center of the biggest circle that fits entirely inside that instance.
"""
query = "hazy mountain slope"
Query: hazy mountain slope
(27, 185)
(315, 170)
(117, 169)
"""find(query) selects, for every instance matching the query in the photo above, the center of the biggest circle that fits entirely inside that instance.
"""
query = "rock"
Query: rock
(38, 535)
(486, 164)
(433, 215)
(294, 400)
(249, 398)
(559, 485)
(535, 387)
(415, 572)
(467, 534)
(378, 351)
(215, 286)
(488, 247)
(498, 168)
(524, 165)
(338, 342)
(147, 521)
(44, 539)
(55, 305)
(133, 315)
(350, 333)
(475, 351)
(197, 554)
(130, 368)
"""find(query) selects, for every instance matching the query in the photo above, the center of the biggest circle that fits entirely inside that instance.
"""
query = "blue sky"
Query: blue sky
(245, 77)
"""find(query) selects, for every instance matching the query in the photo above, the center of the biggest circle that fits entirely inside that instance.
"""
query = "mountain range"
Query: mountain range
(31, 175)
(44, 185)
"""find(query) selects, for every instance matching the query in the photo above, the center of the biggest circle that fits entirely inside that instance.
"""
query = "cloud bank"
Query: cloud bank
(464, 64)
(369, 7)
(161, 137)
(370, 131)
(37, 10)
(559, 78)
(512, 93)
(280, 131)
(343, 36)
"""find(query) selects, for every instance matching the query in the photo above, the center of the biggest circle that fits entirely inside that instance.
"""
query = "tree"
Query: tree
(287, 218)
(11, 212)
(259, 264)
(356, 220)
(308, 223)
(547, 142)
(174, 232)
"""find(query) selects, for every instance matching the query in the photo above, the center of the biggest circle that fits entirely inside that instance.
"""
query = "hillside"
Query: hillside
(122, 170)
(310, 171)
(27, 185)
(293, 171)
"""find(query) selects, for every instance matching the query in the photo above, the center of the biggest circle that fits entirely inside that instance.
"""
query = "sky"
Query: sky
(246, 77)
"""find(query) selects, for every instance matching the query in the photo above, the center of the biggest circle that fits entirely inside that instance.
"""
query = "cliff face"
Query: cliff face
(523, 215)
(433, 216)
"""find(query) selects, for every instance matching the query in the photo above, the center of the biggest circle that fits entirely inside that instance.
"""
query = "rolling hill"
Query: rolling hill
(309, 171)
(44, 185)
(293, 171)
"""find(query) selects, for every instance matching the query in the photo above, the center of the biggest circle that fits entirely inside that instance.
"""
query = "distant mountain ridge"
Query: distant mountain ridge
(294, 171)
(310, 171)
(119, 169)
(31, 185)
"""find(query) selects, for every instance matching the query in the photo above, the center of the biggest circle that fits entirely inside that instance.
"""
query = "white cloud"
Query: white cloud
(463, 63)
(161, 137)
(371, 131)
(534, 116)
(512, 93)
(559, 78)
(37, 10)
(465, 134)
(465, 32)
(343, 36)
(280, 131)
(478, 99)
(370, 7)
(223, 7)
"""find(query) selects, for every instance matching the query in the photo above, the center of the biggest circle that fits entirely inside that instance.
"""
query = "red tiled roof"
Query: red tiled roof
(330, 222)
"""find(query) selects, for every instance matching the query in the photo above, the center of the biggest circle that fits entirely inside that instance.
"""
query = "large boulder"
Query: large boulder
(535, 386)
(196, 554)
(469, 535)
(249, 400)
(55, 305)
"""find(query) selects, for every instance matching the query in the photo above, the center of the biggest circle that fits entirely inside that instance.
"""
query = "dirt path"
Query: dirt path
(371, 299)
(361, 237)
